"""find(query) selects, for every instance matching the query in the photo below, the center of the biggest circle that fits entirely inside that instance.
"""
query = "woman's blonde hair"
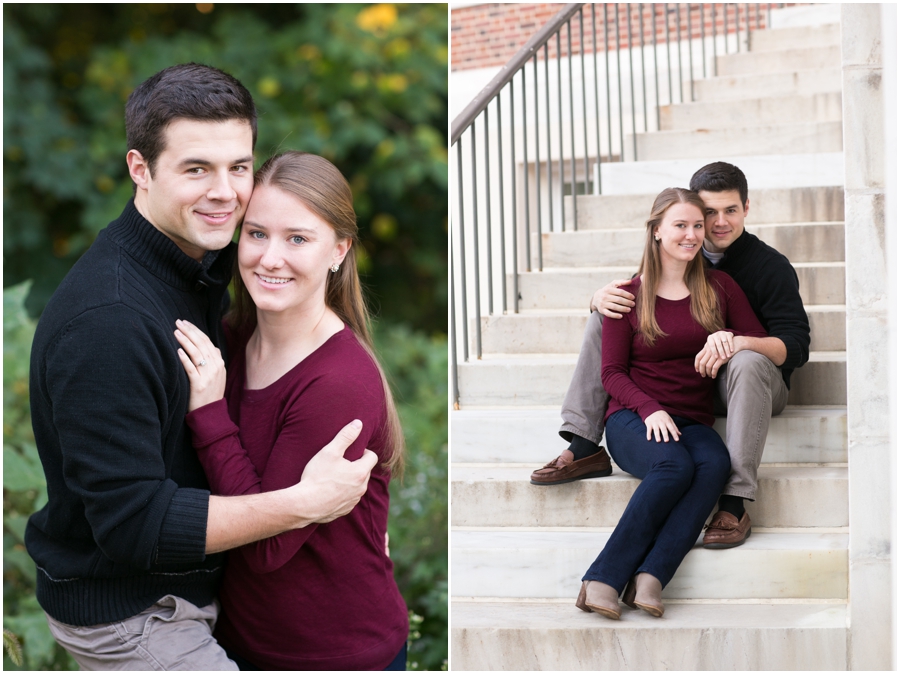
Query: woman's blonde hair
(704, 300)
(323, 189)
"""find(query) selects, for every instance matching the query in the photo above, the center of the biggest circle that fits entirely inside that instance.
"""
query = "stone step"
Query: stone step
(543, 380)
(531, 436)
(561, 332)
(800, 242)
(780, 61)
(502, 496)
(555, 288)
(763, 111)
(794, 38)
(763, 172)
(798, 204)
(806, 137)
(541, 564)
(715, 637)
(798, 83)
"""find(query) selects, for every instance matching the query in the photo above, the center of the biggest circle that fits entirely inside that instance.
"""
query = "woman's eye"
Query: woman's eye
(297, 240)
(257, 235)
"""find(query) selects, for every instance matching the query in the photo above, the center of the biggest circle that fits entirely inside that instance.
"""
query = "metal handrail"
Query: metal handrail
(508, 71)
(546, 177)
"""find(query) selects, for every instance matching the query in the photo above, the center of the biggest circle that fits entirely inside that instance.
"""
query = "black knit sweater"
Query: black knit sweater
(770, 283)
(125, 523)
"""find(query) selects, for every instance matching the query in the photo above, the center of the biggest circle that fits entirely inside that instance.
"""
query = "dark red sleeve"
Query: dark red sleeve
(737, 312)
(311, 422)
(616, 358)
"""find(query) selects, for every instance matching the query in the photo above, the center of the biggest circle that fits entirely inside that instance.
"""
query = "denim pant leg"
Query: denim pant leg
(712, 465)
(666, 470)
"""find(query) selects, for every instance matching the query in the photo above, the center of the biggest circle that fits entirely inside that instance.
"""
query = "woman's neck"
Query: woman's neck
(281, 340)
(671, 280)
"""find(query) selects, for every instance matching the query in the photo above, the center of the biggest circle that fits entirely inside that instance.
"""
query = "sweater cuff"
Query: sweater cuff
(794, 358)
(210, 423)
(182, 537)
(647, 409)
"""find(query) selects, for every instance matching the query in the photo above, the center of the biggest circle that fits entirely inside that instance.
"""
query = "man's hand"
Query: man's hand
(612, 302)
(331, 484)
(719, 349)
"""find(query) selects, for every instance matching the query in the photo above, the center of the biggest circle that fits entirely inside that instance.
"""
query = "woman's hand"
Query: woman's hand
(203, 363)
(721, 343)
(660, 424)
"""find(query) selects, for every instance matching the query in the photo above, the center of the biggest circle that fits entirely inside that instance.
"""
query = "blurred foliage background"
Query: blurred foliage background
(364, 86)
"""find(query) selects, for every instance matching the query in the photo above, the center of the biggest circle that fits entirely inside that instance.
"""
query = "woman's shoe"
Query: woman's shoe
(648, 594)
(599, 598)
(628, 594)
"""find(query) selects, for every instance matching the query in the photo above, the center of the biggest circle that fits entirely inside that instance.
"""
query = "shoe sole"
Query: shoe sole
(605, 612)
(655, 611)
(600, 473)
(725, 546)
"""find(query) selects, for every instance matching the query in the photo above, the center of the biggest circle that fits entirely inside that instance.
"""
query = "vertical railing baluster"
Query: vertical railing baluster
(487, 206)
(690, 50)
(715, 57)
(619, 86)
(643, 68)
(725, 25)
(747, 23)
(587, 175)
(703, 38)
(608, 94)
(669, 56)
(515, 205)
(549, 145)
(678, 42)
(475, 242)
(572, 130)
(656, 70)
(631, 81)
(454, 368)
(559, 98)
(527, 177)
(502, 194)
(598, 186)
(537, 165)
(462, 249)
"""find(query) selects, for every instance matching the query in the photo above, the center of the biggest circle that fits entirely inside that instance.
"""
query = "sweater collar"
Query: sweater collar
(158, 253)
(738, 247)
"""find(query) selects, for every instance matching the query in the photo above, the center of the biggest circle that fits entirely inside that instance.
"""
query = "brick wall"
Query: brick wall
(488, 35)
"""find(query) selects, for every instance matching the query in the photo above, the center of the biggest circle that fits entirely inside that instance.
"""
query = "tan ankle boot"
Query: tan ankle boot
(648, 594)
(599, 598)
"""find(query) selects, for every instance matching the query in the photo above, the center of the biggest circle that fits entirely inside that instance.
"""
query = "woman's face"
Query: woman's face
(680, 233)
(285, 252)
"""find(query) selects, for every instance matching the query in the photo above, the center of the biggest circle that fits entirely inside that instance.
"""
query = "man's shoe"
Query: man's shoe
(563, 469)
(725, 531)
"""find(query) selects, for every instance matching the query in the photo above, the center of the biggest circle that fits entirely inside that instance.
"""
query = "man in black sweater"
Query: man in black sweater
(753, 373)
(129, 547)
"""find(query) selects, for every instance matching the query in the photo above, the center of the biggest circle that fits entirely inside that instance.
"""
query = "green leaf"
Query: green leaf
(19, 473)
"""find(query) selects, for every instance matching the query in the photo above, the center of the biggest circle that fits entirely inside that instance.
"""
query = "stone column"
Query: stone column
(868, 353)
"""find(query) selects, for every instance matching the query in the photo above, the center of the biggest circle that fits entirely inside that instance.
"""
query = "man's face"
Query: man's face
(724, 221)
(200, 185)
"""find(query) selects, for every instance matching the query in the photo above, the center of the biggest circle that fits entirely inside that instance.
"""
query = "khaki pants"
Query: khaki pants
(173, 634)
(750, 388)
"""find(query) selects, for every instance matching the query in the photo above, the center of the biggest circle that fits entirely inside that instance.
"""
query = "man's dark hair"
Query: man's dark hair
(187, 91)
(720, 177)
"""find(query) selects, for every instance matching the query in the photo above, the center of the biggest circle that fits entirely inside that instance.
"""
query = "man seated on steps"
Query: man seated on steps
(753, 380)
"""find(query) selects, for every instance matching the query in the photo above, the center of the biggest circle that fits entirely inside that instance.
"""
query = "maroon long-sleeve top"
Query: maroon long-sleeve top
(662, 377)
(322, 597)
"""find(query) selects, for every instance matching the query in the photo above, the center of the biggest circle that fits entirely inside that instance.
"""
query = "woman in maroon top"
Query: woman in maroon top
(322, 597)
(659, 420)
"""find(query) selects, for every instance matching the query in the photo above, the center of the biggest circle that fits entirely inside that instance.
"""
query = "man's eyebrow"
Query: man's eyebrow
(206, 162)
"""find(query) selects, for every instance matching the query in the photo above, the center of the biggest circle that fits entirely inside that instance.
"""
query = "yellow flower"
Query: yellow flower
(377, 18)
(269, 87)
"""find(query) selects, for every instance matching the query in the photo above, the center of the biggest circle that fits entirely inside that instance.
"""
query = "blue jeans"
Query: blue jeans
(680, 483)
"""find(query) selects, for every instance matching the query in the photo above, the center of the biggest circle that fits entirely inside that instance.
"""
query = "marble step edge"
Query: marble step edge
(743, 130)
(521, 635)
(630, 269)
(563, 358)
(640, 228)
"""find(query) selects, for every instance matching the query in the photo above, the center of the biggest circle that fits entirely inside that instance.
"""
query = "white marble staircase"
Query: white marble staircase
(519, 551)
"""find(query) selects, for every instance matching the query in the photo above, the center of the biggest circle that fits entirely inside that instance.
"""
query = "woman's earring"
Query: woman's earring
(656, 238)
(335, 267)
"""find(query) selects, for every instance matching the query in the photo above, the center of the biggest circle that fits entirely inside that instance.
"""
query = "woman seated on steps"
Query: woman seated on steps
(659, 421)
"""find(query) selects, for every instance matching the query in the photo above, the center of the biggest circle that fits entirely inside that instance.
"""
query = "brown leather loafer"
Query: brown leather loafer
(725, 531)
(563, 469)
